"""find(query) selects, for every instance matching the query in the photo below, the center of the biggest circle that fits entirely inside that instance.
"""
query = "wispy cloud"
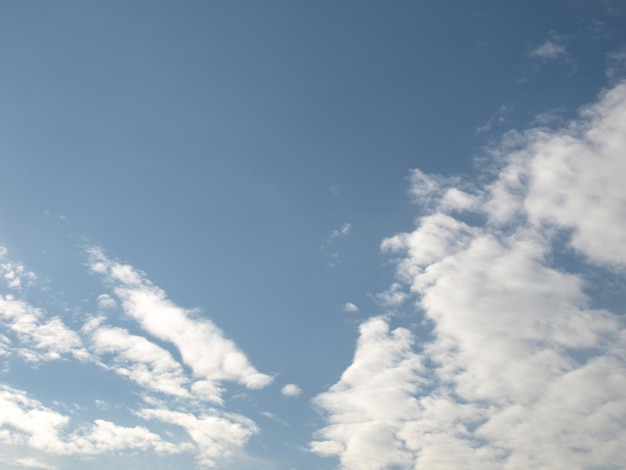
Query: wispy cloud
(342, 232)
(521, 372)
(203, 347)
(14, 274)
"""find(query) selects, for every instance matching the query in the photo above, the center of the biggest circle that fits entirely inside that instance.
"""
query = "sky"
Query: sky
(284, 235)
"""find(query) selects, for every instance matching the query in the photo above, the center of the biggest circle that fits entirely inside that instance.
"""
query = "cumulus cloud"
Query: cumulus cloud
(350, 307)
(520, 370)
(291, 390)
(203, 347)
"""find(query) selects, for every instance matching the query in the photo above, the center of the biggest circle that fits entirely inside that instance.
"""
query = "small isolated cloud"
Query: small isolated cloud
(341, 232)
(291, 390)
(552, 48)
(350, 308)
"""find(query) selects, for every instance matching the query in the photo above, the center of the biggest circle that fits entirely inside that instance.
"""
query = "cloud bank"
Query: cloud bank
(520, 369)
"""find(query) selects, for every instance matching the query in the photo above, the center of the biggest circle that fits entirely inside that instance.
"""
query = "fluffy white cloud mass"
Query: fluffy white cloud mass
(520, 370)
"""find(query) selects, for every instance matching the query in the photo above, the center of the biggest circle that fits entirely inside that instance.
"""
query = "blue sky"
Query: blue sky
(312, 235)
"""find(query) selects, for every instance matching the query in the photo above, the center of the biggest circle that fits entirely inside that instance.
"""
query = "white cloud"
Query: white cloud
(372, 401)
(291, 390)
(522, 372)
(39, 340)
(27, 422)
(142, 361)
(350, 307)
(14, 274)
(203, 347)
(30, 462)
(216, 434)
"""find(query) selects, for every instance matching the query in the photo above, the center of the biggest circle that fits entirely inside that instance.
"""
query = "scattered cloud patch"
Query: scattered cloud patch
(520, 370)
(333, 257)
(341, 232)
(35, 337)
(216, 435)
(27, 422)
(31, 334)
(291, 390)
(14, 274)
